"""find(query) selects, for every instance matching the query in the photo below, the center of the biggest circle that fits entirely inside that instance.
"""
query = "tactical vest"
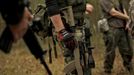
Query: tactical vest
(78, 7)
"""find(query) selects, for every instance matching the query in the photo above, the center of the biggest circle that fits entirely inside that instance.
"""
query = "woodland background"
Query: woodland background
(21, 62)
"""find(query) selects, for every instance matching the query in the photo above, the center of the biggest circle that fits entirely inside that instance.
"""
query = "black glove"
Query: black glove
(67, 39)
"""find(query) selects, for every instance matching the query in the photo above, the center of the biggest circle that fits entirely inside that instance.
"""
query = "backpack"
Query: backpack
(103, 25)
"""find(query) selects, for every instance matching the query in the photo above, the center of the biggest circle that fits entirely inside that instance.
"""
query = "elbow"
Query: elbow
(113, 13)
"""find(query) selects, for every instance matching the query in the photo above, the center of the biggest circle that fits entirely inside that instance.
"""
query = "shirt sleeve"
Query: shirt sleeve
(52, 7)
(106, 5)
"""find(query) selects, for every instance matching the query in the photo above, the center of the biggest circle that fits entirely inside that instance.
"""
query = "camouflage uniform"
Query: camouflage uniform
(116, 37)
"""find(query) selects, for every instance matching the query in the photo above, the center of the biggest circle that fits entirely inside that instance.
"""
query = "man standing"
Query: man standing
(116, 36)
(68, 35)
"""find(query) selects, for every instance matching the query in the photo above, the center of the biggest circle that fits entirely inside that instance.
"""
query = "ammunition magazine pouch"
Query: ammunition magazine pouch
(103, 25)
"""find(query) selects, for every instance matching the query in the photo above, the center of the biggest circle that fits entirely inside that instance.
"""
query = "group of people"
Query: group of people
(17, 16)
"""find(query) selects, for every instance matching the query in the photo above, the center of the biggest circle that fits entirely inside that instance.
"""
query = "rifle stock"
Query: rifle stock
(77, 61)
(69, 67)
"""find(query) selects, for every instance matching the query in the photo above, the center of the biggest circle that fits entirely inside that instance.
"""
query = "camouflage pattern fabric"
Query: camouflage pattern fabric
(113, 38)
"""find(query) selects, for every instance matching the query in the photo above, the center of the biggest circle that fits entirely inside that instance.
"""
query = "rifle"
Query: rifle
(34, 47)
(50, 51)
(68, 18)
(89, 48)
(54, 45)
(6, 41)
(84, 46)
(38, 26)
(30, 39)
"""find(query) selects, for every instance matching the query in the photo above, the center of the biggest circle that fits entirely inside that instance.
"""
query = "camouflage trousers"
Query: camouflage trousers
(117, 37)
(69, 55)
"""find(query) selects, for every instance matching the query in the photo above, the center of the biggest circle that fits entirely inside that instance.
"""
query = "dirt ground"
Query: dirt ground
(21, 62)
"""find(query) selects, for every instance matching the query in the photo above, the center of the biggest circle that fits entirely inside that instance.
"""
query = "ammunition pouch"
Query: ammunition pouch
(103, 25)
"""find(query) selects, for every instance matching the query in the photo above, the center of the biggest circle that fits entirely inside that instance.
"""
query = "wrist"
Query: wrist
(127, 17)
(59, 29)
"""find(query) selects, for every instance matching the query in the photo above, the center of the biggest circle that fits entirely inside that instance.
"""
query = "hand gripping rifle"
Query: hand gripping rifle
(67, 17)
(84, 46)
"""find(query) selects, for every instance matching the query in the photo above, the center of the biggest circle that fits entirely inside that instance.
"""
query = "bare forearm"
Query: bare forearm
(118, 14)
(57, 22)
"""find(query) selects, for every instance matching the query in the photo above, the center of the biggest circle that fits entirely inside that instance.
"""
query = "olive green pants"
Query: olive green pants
(117, 37)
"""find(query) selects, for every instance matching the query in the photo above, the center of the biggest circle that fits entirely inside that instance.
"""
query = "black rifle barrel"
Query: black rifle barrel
(50, 53)
(54, 44)
(34, 47)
